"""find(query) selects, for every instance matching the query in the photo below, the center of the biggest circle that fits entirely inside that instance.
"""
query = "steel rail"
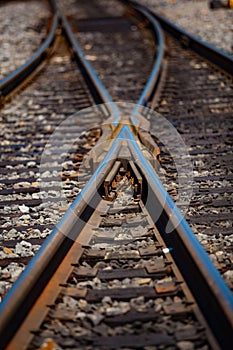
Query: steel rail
(181, 238)
(210, 52)
(178, 240)
(101, 95)
(104, 96)
(99, 92)
(19, 300)
(155, 74)
(13, 80)
(157, 66)
(201, 276)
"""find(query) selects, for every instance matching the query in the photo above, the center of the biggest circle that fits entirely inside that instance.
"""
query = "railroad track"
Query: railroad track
(123, 268)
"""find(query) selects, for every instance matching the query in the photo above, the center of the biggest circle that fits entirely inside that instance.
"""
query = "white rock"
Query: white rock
(46, 174)
(106, 300)
(228, 275)
(25, 244)
(70, 302)
(24, 209)
(31, 164)
(25, 217)
(81, 315)
(12, 232)
(185, 345)
(113, 311)
(24, 249)
(95, 318)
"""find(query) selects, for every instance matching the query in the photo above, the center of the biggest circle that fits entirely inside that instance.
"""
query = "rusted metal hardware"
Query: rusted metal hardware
(109, 180)
(67, 229)
(182, 242)
(51, 253)
(124, 150)
(136, 180)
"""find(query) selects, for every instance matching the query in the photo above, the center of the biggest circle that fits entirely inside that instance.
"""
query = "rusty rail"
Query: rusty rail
(208, 51)
(187, 252)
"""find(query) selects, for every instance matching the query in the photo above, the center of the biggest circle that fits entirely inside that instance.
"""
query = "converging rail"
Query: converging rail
(125, 161)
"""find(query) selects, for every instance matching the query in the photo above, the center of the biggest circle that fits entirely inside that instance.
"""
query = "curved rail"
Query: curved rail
(59, 243)
(92, 78)
(157, 66)
(181, 240)
(13, 80)
(100, 94)
(214, 55)
(210, 52)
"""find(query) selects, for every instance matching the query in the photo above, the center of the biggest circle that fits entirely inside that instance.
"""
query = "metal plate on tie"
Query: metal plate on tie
(176, 308)
(109, 222)
(135, 220)
(187, 333)
(75, 292)
(166, 288)
(138, 231)
(83, 271)
(157, 266)
(150, 251)
(64, 315)
(95, 253)
(104, 235)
